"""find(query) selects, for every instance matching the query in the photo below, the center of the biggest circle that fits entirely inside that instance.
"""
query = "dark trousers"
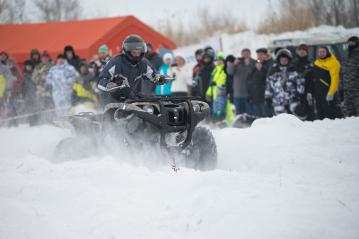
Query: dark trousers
(325, 109)
(351, 103)
(242, 105)
(268, 108)
(258, 109)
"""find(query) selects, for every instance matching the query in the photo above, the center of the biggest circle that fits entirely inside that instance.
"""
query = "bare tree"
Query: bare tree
(205, 24)
(4, 8)
(18, 11)
(58, 10)
(336, 12)
(292, 15)
(355, 8)
(12, 11)
(300, 15)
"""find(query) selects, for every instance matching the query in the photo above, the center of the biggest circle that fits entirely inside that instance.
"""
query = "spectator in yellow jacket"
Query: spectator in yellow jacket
(216, 92)
(83, 93)
(325, 82)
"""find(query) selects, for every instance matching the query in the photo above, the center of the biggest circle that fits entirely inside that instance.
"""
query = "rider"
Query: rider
(123, 75)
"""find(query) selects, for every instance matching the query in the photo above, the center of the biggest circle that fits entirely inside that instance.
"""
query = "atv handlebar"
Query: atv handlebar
(163, 79)
(120, 82)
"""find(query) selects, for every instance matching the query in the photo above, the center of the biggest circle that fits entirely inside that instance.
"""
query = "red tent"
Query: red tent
(85, 36)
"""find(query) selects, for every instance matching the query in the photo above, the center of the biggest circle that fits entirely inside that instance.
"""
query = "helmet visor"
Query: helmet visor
(135, 46)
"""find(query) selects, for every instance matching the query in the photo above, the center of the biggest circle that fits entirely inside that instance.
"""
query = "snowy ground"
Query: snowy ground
(282, 178)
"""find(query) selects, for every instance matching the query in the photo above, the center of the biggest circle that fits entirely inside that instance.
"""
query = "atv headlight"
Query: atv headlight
(199, 106)
(148, 109)
(196, 108)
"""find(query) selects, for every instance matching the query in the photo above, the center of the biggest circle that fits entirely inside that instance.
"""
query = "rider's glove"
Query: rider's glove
(118, 79)
(111, 85)
(160, 79)
(329, 98)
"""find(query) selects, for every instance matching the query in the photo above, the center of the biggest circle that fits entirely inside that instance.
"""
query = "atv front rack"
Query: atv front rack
(168, 114)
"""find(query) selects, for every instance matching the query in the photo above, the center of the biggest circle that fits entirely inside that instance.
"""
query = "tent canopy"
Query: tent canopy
(86, 36)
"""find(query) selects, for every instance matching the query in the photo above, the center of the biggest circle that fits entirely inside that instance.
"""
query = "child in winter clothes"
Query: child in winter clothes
(165, 70)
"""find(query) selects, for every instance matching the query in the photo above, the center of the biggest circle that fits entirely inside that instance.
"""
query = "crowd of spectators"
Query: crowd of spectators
(269, 85)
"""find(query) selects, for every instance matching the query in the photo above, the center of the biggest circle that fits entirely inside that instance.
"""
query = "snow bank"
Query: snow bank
(234, 43)
(282, 178)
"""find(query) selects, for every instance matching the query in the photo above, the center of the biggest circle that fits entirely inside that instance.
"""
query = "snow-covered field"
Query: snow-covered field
(282, 178)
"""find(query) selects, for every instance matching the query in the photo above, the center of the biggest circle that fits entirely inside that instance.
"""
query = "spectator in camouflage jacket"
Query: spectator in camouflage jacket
(351, 78)
(284, 85)
(61, 77)
(40, 74)
(43, 90)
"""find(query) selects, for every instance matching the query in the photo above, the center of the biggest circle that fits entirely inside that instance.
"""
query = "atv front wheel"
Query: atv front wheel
(73, 148)
(202, 151)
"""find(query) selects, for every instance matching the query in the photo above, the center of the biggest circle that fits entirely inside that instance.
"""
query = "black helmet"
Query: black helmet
(208, 52)
(134, 43)
(284, 53)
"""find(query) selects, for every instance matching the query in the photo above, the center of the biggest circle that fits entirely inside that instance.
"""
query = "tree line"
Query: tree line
(291, 15)
(13, 11)
(282, 16)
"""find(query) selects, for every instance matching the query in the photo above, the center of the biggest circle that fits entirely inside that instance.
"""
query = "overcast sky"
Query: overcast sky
(153, 11)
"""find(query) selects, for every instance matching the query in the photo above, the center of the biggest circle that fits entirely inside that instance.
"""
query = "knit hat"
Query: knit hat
(303, 47)
(83, 63)
(103, 49)
(198, 52)
(167, 56)
(61, 56)
(45, 54)
(34, 52)
(262, 50)
(354, 39)
(284, 53)
(221, 56)
(356, 45)
(230, 58)
(68, 48)
(27, 63)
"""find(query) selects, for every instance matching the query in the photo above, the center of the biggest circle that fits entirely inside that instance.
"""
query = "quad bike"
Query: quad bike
(168, 122)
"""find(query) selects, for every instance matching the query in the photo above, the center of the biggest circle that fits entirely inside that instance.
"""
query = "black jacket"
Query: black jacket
(75, 61)
(203, 78)
(29, 92)
(351, 72)
(304, 67)
(155, 60)
(136, 74)
(257, 83)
